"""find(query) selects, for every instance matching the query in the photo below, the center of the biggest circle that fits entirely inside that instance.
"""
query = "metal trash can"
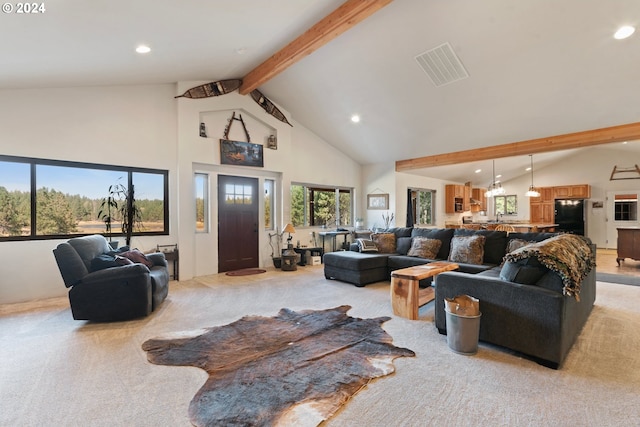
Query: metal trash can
(463, 332)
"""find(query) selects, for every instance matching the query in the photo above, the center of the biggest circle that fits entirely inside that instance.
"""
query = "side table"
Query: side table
(171, 254)
(406, 295)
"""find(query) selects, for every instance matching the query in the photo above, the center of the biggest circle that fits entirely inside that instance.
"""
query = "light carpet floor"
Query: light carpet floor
(55, 371)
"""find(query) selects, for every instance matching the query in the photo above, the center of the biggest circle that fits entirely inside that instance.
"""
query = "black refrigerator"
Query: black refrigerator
(569, 215)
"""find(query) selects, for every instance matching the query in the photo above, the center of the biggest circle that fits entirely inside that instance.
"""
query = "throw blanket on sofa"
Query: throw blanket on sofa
(568, 255)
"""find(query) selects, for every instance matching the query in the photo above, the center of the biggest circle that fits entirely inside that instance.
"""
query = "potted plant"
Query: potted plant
(109, 207)
(121, 201)
(131, 214)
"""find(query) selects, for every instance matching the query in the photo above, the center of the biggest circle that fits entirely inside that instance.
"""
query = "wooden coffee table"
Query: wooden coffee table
(406, 295)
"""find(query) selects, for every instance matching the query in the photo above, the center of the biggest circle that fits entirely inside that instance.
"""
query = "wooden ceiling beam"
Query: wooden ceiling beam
(334, 24)
(567, 141)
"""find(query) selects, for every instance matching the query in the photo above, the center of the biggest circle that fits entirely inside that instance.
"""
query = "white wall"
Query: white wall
(130, 126)
(144, 126)
(301, 157)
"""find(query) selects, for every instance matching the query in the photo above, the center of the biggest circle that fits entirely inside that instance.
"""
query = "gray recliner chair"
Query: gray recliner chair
(102, 290)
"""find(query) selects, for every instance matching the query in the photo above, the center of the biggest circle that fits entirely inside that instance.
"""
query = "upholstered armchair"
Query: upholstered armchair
(105, 285)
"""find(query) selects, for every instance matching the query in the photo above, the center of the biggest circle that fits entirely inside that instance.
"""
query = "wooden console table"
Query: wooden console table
(406, 295)
(628, 244)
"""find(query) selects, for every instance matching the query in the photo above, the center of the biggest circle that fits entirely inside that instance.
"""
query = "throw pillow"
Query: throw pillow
(366, 245)
(103, 261)
(120, 260)
(526, 271)
(385, 242)
(517, 244)
(467, 249)
(424, 247)
(137, 257)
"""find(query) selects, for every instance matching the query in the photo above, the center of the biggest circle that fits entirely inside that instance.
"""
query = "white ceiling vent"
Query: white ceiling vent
(442, 65)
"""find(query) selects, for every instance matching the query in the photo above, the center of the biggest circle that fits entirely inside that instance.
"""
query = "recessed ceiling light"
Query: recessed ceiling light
(355, 118)
(625, 142)
(624, 32)
(478, 170)
(143, 49)
(498, 176)
(528, 168)
(241, 50)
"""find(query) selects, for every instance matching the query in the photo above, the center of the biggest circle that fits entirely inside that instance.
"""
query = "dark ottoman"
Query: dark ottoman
(356, 267)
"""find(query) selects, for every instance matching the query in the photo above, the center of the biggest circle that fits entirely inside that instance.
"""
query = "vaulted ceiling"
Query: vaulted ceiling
(536, 68)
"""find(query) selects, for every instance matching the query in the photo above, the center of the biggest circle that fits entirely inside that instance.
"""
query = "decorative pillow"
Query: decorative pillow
(137, 257)
(526, 271)
(120, 260)
(385, 242)
(517, 244)
(423, 247)
(103, 261)
(366, 245)
(467, 249)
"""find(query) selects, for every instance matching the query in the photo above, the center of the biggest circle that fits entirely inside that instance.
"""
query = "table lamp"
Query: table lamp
(289, 229)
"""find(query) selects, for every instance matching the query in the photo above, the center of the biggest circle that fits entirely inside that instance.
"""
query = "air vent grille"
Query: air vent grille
(442, 65)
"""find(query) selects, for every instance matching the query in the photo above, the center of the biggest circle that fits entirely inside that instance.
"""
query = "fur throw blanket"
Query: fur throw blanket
(569, 255)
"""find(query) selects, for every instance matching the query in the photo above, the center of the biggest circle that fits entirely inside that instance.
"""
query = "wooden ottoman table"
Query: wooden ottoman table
(406, 295)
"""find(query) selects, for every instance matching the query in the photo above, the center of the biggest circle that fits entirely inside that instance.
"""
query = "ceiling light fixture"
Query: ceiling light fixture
(495, 188)
(143, 49)
(355, 118)
(532, 190)
(624, 32)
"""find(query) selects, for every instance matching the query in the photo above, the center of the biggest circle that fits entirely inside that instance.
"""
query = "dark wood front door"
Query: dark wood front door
(237, 223)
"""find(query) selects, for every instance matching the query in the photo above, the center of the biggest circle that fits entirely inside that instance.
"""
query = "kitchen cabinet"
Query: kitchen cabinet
(457, 198)
(479, 200)
(572, 191)
(542, 208)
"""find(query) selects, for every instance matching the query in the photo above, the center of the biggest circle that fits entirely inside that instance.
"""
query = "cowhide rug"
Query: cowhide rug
(296, 368)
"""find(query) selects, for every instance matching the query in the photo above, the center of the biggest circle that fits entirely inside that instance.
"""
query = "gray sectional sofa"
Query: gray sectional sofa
(361, 269)
(526, 306)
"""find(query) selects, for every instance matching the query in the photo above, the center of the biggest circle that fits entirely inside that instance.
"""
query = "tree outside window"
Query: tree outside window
(506, 205)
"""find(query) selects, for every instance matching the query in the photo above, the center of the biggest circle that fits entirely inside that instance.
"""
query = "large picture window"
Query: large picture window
(52, 199)
(318, 206)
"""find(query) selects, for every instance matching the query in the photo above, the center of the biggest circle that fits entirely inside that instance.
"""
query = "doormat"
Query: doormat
(296, 368)
(245, 272)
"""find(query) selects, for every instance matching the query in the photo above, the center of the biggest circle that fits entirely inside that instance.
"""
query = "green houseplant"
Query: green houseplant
(120, 204)
(109, 207)
(131, 214)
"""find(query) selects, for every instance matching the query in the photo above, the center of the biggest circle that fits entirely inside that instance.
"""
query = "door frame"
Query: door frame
(206, 244)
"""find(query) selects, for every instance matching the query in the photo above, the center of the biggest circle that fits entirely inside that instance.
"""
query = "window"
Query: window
(626, 207)
(52, 199)
(269, 188)
(505, 205)
(317, 206)
(201, 183)
(423, 206)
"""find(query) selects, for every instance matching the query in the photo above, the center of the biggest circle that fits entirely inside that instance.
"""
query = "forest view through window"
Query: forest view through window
(318, 206)
(47, 198)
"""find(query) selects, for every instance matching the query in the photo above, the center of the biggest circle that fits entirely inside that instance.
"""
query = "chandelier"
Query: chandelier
(495, 188)
(532, 190)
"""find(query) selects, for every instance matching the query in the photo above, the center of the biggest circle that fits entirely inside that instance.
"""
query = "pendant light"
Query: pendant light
(495, 189)
(532, 190)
